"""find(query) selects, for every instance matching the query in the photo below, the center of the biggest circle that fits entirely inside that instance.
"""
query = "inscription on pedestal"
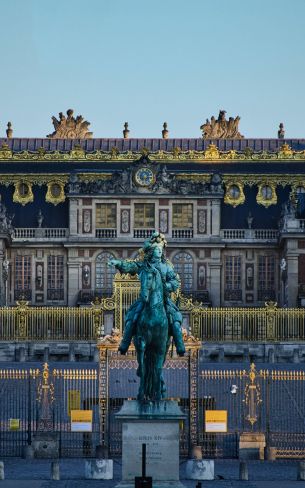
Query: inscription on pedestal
(162, 450)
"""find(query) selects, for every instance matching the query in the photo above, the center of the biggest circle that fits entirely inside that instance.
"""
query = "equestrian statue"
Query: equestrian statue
(153, 320)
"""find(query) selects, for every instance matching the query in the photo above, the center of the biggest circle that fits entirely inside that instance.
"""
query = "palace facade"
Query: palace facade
(231, 210)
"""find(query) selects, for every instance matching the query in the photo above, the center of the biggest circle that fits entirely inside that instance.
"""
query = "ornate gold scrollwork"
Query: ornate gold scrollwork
(77, 152)
(266, 194)
(5, 152)
(285, 152)
(23, 192)
(234, 193)
(211, 152)
(55, 192)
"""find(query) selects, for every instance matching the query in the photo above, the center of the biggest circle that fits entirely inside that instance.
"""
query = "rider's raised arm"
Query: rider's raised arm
(172, 280)
(126, 266)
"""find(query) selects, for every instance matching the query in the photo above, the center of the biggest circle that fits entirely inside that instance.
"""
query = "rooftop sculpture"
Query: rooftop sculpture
(221, 128)
(70, 127)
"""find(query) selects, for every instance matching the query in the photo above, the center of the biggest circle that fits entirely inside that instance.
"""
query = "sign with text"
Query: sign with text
(216, 421)
(73, 401)
(81, 420)
(14, 424)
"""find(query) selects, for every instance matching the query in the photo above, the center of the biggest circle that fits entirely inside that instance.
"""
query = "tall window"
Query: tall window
(182, 216)
(233, 290)
(55, 290)
(266, 278)
(144, 215)
(184, 266)
(23, 275)
(105, 216)
(104, 274)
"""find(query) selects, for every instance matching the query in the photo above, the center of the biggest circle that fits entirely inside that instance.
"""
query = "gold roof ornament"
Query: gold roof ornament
(221, 128)
(70, 127)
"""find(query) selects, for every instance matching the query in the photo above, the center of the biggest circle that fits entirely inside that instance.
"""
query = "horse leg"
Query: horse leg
(141, 368)
(159, 382)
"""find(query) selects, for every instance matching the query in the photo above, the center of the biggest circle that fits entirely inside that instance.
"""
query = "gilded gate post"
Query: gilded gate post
(105, 345)
(192, 346)
(98, 316)
(271, 311)
(22, 319)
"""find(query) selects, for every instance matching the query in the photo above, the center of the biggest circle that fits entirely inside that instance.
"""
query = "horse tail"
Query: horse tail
(151, 373)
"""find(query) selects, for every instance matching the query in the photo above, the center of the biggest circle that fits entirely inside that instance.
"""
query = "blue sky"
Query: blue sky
(147, 62)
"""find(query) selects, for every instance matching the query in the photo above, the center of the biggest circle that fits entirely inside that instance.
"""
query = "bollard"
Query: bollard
(55, 474)
(28, 452)
(243, 471)
(2, 470)
(301, 471)
(46, 354)
(21, 354)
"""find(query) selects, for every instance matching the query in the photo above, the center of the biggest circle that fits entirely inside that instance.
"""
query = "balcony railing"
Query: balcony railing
(106, 233)
(40, 233)
(88, 296)
(182, 233)
(54, 294)
(249, 234)
(142, 233)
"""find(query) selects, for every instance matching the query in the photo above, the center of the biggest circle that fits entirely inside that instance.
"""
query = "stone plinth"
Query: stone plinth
(46, 445)
(200, 469)
(99, 469)
(157, 426)
(251, 445)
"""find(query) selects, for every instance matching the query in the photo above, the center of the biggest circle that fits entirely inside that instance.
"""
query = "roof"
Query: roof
(32, 144)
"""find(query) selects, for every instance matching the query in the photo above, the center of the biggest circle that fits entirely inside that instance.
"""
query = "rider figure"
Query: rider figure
(153, 256)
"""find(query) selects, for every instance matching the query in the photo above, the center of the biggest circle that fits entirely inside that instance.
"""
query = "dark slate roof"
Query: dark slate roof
(30, 144)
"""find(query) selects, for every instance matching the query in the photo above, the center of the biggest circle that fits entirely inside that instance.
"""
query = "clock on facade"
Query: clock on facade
(144, 177)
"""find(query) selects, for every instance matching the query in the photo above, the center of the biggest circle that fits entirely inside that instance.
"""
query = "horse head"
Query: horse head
(147, 279)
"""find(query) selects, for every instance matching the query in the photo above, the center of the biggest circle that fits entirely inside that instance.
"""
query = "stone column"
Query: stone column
(215, 224)
(215, 278)
(73, 276)
(73, 216)
(292, 273)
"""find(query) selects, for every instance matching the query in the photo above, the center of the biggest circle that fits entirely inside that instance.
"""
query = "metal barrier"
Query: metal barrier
(268, 402)
(34, 401)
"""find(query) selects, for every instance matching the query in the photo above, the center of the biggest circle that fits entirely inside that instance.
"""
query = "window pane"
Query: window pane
(233, 290)
(23, 269)
(104, 274)
(183, 264)
(266, 277)
(106, 216)
(55, 272)
(182, 216)
(144, 215)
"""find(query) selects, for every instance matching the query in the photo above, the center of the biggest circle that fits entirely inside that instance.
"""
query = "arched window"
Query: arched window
(104, 274)
(184, 266)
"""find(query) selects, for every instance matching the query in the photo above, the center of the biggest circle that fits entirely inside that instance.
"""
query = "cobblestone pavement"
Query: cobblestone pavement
(20, 473)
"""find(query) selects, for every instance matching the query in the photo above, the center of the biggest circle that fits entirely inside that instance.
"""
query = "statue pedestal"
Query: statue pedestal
(157, 426)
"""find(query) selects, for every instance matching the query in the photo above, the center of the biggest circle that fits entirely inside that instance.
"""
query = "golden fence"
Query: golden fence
(261, 324)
